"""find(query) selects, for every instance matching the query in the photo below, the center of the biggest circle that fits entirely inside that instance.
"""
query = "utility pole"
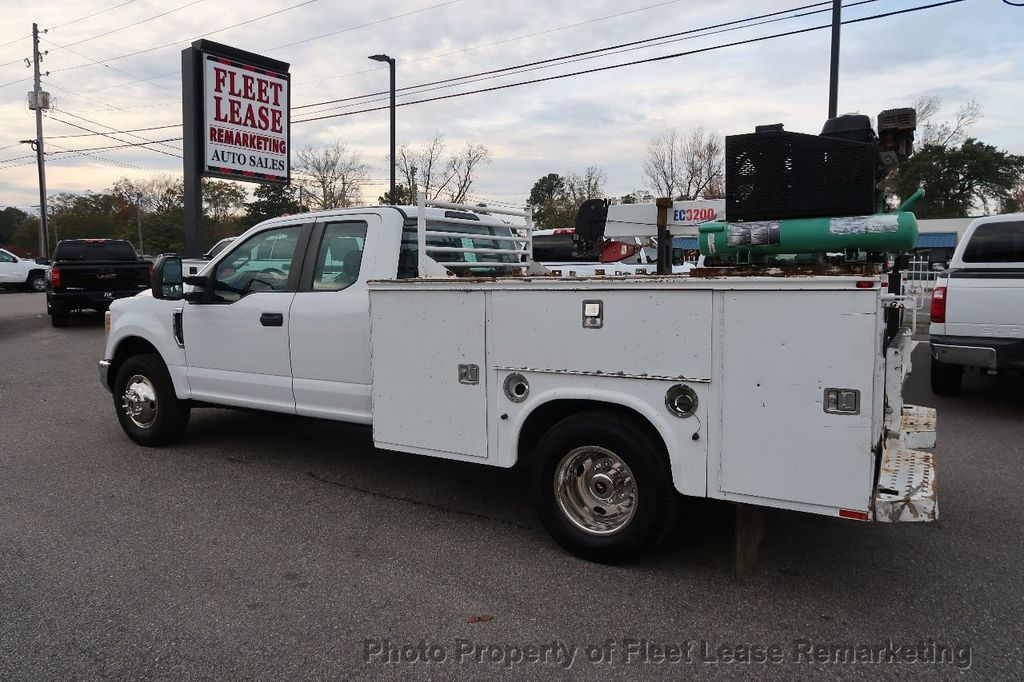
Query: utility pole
(40, 100)
(138, 214)
(833, 76)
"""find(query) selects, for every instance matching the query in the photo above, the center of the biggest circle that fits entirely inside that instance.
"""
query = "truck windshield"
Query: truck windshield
(475, 238)
(95, 249)
(1001, 242)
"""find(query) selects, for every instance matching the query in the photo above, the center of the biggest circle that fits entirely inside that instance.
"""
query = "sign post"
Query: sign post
(237, 125)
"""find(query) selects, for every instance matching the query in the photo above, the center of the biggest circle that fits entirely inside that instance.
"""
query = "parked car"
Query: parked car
(194, 265)
(977, 309)
(91, 274)
(21, 273)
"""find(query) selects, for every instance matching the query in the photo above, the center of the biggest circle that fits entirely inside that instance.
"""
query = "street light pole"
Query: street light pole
(391, 63)
(833, 76)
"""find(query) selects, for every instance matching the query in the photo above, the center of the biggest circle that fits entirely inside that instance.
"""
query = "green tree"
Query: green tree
(544, 196)
(272, 201)
(404, 196)
(957, 179)
(10, 218)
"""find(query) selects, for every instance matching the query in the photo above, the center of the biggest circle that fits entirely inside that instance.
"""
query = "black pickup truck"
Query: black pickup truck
(90, 274)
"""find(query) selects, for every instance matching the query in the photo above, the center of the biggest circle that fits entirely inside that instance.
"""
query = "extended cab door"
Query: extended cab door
(236, 343)
(330, 316)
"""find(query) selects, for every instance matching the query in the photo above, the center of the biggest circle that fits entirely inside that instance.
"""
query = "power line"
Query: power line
(116, 139)
(639, 61)
(524, 36)
(598, 52)
(80, 152)
(188, 40)
(325, 35)
(115, 132)
(99, 63)
(66, 23)
(371, 23)
(137, 23)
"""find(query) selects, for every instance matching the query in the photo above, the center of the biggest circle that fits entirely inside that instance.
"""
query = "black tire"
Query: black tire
(654, 507)
(946, 379)
(169, 416)
(59, 315)
(36, 282)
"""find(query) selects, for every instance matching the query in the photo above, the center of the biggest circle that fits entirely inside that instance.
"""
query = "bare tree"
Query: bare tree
(333, 177)
(461, 168)
(687, 167)
(431, 171)
(579, 188)
(663, 166)
(944, 133)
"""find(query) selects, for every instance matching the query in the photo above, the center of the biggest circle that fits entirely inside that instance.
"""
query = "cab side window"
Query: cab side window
(260, 263)
(340, 256)
(6, 257)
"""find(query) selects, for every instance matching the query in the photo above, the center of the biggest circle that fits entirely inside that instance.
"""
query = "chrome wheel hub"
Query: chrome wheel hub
(595, 490)
(139, 401)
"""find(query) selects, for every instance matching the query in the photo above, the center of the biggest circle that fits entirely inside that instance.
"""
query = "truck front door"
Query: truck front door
(236, 343)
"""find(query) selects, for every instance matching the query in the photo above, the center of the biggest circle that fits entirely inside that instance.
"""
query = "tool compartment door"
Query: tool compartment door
(418, 341)
(779, 352)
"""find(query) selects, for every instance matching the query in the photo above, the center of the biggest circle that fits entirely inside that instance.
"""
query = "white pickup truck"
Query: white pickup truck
(21, 272)
(977, 310)
(619, 393)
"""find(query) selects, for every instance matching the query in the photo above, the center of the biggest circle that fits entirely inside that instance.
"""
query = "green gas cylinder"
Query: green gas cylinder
(746, 241)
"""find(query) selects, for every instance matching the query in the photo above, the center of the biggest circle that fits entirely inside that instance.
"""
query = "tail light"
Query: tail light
(939, 304)
(55, 277)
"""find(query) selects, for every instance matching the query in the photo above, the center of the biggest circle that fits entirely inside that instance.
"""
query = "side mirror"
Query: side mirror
(166, 280)
(42, 261)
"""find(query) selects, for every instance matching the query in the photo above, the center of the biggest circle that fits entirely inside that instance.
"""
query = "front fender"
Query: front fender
(151, 320)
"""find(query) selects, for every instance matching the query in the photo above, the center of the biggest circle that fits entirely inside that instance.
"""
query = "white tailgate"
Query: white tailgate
(779, 354)
(418, 341)
(985, 306)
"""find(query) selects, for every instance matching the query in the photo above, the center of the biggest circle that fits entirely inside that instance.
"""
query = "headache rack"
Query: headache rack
(520, 238)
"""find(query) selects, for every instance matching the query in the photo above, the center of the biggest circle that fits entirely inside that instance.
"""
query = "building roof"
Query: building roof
(936, 240)
(684, 243)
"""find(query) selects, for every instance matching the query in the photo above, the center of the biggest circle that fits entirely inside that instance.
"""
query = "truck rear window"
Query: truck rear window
(88, 249)
(996, 243)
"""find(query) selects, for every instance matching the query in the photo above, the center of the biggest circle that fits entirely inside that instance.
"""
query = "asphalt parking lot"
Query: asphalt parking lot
(279, 548)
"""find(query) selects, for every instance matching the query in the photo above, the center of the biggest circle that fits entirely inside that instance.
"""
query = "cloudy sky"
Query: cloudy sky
(119, 69)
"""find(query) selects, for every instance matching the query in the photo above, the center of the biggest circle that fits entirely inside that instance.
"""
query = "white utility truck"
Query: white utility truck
(977, 311)
(432, 323)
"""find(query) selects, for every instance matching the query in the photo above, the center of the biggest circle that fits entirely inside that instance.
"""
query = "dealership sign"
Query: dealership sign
(241, 102)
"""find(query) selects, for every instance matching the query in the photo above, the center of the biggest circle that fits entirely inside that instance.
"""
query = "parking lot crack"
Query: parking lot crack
(418, 503)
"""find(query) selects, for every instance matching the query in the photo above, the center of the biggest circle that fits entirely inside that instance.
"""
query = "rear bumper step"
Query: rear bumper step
(906, 487)
(906, 490)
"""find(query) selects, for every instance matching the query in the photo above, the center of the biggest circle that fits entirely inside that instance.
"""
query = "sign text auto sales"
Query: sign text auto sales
(246, 121)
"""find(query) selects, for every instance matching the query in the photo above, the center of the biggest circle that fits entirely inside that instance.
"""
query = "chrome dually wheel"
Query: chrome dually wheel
(147, 408)
(595, 490)
(602, 485)
(140, 401)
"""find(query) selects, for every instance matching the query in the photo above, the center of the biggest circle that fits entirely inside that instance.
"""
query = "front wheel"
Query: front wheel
(602, 486)
(36, 282)
(146, 405)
